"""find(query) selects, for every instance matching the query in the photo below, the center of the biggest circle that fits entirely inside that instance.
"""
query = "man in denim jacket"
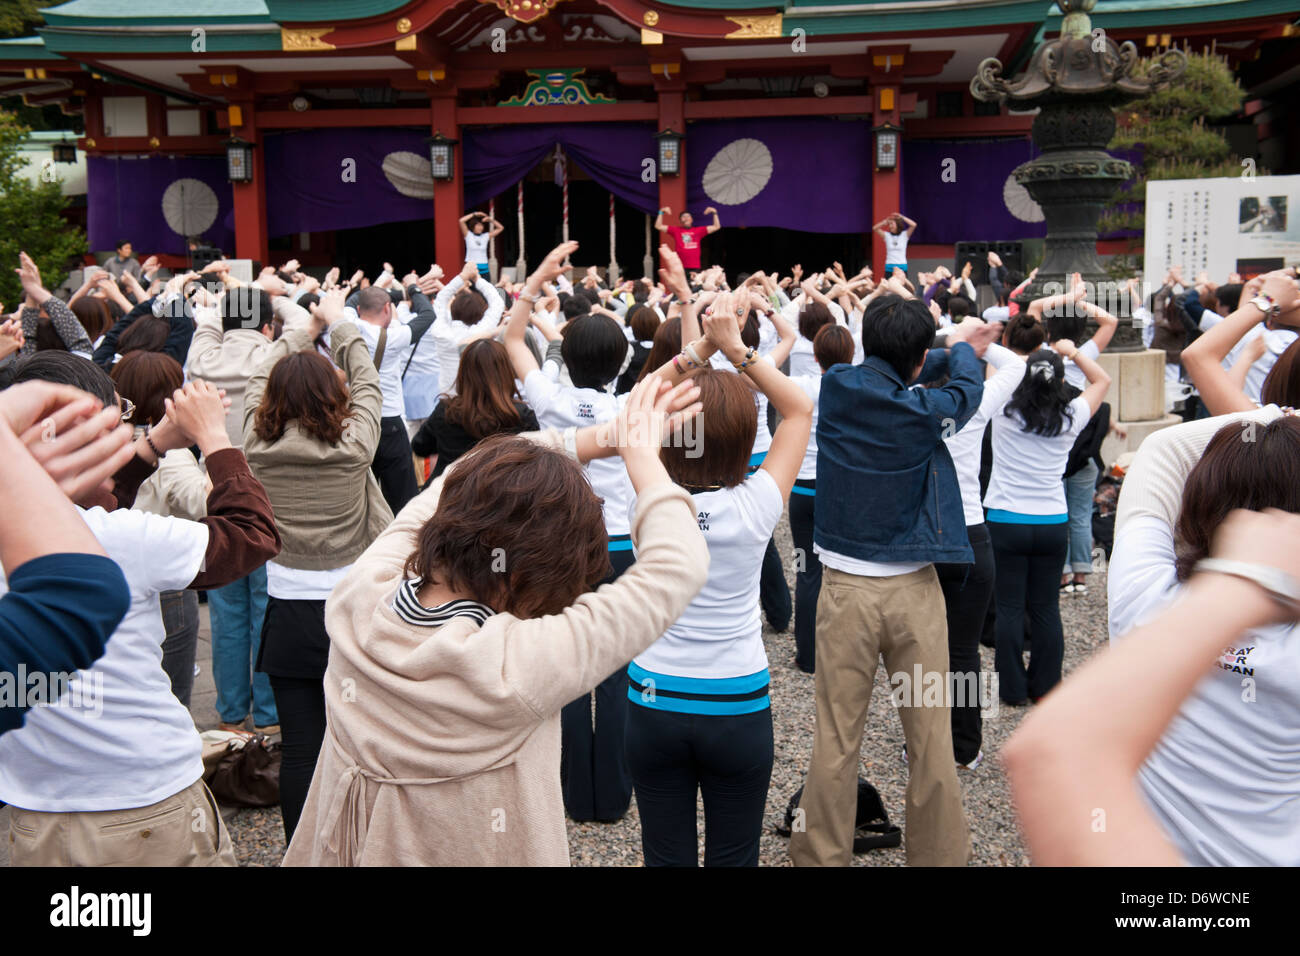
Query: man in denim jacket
(888, 507)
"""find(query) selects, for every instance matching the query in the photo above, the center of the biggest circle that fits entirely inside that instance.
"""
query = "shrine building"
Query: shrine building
(359, 131)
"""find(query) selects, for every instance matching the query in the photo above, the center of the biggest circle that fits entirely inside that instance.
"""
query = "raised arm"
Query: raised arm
(715, 225)
(1083, 746)
(790, 440)
(521, 357)
(1203, 359)
(659, 219)
(1098, 380)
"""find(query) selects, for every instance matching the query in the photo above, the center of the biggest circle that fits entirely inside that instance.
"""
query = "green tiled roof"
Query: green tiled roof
(85, 13)
(26, 48)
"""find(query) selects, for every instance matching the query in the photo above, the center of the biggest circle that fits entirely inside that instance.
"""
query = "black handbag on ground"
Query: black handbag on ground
(871, 827)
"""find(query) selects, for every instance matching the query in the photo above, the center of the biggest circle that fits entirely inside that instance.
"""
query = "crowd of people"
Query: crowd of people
(487, 555)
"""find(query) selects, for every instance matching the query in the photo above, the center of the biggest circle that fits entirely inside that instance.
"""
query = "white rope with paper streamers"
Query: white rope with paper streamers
(521, 266)
(492, 240)
(613, 257)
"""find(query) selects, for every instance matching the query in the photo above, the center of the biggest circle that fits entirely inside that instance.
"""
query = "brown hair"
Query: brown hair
(146, 333)
(147, 378)
(47, 336)
(833, 345)
(1282, 386)
(303, 387)
(667, 343)
(813, 317)
(726, 430)
(643, 321)
(504, 510)
(94, 316)
(484, 403)
(1024, 334)
(1245, 465)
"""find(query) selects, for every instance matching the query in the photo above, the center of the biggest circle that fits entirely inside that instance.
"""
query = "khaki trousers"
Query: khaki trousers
(860, 620)
(186, 829)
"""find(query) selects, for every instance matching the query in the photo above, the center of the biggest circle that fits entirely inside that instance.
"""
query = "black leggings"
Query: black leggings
(807, 582)
(1029, 558)
(728, 758)
(300, 702)
(594, 778)
(967, 593)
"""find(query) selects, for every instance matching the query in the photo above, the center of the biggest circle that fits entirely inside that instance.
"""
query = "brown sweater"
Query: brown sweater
(443, 744)
(328, 506)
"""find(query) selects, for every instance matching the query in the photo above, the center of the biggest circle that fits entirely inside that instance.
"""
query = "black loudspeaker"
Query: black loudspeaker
(976, 253)
(1012, 255)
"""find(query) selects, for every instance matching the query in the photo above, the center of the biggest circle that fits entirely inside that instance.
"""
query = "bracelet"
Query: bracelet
(689, 350)
(1073, 354)
(751, 357)
(152, 447)
(570, 436)
(1281, 587)
(677, 365)
(530, 299)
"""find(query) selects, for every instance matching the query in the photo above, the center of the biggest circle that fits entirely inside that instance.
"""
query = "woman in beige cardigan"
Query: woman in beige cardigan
(310, 441)
(460, 634)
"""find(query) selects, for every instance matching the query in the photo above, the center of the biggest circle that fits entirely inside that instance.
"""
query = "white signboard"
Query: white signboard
(1221, 226)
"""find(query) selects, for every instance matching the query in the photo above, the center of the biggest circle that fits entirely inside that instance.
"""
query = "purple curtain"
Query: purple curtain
(613, 154)
(812, 174)
(326, 179)
(125, 201)
(967, 204)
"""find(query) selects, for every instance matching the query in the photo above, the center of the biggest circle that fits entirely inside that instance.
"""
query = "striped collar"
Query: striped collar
(408, 607)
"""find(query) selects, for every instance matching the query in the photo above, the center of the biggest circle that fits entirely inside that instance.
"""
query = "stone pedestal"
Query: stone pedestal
(1137, 385)
(1113, 446)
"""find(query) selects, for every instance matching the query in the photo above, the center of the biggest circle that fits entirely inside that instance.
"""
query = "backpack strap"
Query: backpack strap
(379, 348)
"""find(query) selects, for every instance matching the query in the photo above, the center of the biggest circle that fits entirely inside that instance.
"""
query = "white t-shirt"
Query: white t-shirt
(296, 584)
(448, 334)
(390, 369)
(896, 248)
(720, 634)
(1276, 341)
(565, 406)
(1073, 374)
(966, 446)
(812, 387)
(866, 569)
(1027, 468)
(1224, 780)
(476, 247)
(117, 738)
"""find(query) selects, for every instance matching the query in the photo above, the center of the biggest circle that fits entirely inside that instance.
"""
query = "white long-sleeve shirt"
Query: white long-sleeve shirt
(448, 334)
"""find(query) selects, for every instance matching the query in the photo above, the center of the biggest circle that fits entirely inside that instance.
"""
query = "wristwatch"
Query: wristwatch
(1266, 304)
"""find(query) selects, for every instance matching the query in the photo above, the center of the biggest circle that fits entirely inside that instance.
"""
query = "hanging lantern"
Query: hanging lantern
(670, 152)
(442, 157)
(239, 160)
(65, 152)
(887, 140)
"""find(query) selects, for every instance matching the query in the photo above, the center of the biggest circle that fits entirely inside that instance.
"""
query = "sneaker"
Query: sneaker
(269, 730)
(1067, 588)
(1080, 588)
(973, 764)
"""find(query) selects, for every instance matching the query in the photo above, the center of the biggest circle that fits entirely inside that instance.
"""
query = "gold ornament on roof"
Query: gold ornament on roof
(308, 38)
(404, 25)
(756, 28)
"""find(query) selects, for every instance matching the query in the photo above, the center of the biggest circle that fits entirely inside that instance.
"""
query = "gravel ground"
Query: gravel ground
(995, 836)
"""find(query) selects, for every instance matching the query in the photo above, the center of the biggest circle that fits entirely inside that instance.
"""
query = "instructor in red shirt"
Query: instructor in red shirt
(687, 238)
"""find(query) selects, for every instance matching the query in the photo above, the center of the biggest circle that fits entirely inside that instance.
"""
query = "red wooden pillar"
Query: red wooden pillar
(672, 189)
(886, 185)
(249, 198)
(448, 195)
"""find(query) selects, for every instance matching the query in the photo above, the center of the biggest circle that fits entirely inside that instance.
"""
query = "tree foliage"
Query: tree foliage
(19, 17)
(1170, 128)
(30, 214)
